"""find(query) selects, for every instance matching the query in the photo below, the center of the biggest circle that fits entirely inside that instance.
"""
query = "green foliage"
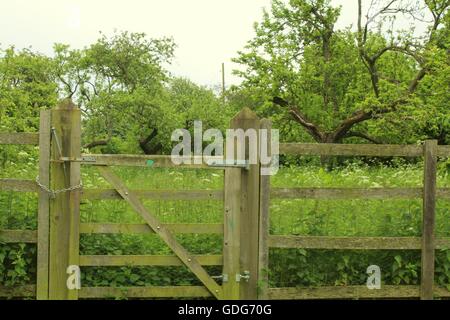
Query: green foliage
(288, 267)
(27, 84)
(328, 75)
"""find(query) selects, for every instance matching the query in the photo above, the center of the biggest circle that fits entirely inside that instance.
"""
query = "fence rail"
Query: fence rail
(246, 238)
(19, 138)
(430, 151)
(370, 150)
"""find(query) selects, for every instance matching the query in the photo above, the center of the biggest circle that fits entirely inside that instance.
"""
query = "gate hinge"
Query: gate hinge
(245, 276)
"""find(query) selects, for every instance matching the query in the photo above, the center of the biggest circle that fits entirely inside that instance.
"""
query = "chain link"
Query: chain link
(53, 193)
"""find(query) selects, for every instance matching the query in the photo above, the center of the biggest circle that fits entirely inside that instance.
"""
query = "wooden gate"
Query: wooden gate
(246, 215)
(61, 199)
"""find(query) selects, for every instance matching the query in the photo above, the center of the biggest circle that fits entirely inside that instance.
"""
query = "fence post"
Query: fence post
(428, 222)
(43, 209)
(249, 231)
(264, 221)
(64, 207)
(232, 237)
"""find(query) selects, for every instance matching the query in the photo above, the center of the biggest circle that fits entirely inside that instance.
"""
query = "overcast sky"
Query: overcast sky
(207, 32)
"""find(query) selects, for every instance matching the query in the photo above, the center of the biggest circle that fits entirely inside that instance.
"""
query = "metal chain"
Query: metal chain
(53, 193)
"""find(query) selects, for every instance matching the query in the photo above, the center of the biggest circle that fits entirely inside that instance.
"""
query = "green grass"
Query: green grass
(299, 217)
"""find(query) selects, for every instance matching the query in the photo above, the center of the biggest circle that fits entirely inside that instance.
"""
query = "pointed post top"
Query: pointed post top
(66, 104)
(246, 114)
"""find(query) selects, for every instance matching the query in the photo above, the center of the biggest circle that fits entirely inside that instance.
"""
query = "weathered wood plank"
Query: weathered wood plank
(247, 120)
(155, 260)
(443, 193)
(352, 243)
(111, 194)
(18, 185)
(148, 161)
(232, 235)
(346, 193)
(428, 221)
(180, 228)
(329, 149)
(18, 236)
(351, 292)
(44, 207)
(74, 195)
(144, 292)
(165, 234)
(26, 291)
(264, 219)
(19, 138)
(443, 151)
(63, 214)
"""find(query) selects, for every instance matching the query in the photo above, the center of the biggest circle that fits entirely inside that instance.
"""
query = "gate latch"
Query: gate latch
(244, 164)
(245, 276)
(223, 277)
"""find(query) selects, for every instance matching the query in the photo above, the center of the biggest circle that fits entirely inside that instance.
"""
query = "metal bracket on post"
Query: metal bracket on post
(244, 164)
(82, 159)
(223, 277)
(245, 276)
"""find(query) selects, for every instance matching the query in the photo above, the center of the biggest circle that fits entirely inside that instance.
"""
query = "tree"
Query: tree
(27, 85)
(338, 84)
(119, 83)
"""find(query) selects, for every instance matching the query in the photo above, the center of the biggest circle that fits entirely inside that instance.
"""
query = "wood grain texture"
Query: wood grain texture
(232, 233)
(443, 151)
(43, 207)
(156, 161)
(18, 185)
(64, 213)
(25, 291)
(346, 193)
(193, 195)
(19, 138)
(144, 292)
(330, 149)
(264, 222)
(352, 292)
(164, 234)
(249, 248)
(352, 243)
(179, 228)
(18, 236)
(428, 221)
(158, 260)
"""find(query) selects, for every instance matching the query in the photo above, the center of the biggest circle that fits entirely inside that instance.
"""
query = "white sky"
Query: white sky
(207, 32)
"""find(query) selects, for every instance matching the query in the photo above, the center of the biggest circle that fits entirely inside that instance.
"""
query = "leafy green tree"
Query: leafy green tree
(338, 84)
(27, 84)
(119, 83)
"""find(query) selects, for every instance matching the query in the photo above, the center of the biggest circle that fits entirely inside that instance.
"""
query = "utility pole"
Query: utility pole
(223, 82)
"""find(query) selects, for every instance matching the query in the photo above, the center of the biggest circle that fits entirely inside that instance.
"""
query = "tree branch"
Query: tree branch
(362, 136)
(96, 144)
(299, 117)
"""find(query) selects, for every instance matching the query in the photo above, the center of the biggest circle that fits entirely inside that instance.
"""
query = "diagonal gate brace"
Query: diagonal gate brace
(163, 232)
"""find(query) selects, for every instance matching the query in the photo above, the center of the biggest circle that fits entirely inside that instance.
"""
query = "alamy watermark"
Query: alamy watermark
(374, 279)
(190, 149)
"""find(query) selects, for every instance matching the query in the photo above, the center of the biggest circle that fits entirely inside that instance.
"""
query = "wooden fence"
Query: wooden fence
(246, 201)
(427, 243)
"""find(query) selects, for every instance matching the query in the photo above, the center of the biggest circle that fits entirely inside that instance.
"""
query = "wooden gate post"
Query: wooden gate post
(249, 216)
(64, 205)
(264, 220)
(428, 221)
(43, 208)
